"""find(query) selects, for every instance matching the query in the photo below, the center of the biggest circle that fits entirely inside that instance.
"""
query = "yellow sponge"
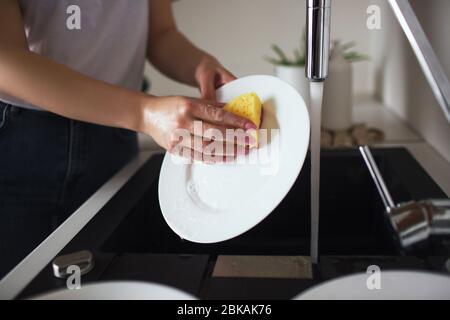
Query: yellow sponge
(248, 106)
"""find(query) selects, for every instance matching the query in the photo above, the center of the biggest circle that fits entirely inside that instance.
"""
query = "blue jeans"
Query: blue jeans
(49, 165)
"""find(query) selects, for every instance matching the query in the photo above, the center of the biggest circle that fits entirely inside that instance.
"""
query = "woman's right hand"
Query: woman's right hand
(190, 127)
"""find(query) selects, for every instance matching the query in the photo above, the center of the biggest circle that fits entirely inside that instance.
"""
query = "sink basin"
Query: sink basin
(395, 285)
(117, 290)
(351, 213)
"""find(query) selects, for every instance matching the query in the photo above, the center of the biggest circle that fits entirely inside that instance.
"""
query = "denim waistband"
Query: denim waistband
(87, 149)
(4, 109)
(7, 107)
(49, 166)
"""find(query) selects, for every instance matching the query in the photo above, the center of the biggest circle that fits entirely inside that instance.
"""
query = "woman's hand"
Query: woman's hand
(196, 129)
(210, 75)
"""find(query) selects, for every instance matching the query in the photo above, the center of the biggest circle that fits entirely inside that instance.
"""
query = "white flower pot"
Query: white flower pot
(296, 77)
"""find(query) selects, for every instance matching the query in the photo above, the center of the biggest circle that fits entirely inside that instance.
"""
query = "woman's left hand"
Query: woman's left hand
(210, 75)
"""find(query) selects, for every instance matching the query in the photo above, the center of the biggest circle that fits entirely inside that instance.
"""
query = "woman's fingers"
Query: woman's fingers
(204, 131)
(206, 86)
(223, 77)
(234, 136)
(214, 132)
(194, 155)
(214, 113)
(210, 75)
(213, 148)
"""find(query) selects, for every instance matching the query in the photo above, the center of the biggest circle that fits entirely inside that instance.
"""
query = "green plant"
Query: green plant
(353, 56)
(299, 58)
(282, 59)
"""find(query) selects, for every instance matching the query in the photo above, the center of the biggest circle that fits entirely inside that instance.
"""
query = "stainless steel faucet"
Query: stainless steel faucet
(318, 19)
(425, 54)
(413, 222)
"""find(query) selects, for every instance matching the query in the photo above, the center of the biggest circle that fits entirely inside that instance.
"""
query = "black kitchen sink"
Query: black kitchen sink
(130, 240)
(351, 213)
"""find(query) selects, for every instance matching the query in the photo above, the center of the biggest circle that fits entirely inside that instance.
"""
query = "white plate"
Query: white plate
(120, 290)
(212, 203)
(395, 285)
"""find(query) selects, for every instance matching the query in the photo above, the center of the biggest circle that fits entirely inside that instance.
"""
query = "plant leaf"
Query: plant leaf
(299, 58)
(348, 45)
(280, 53)
(273, 61)
(354, 56)
(302, 46)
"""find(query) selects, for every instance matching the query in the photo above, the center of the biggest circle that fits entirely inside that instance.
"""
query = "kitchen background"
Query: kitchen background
(240, 33)
(390, 93)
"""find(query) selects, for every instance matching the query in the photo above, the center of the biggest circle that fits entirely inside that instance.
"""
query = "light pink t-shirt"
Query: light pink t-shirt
(104, 39)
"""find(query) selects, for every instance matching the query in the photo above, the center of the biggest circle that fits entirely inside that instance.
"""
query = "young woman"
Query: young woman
(70, 106)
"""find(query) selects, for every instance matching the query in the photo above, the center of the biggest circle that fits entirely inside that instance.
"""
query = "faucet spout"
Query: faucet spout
(318, 20)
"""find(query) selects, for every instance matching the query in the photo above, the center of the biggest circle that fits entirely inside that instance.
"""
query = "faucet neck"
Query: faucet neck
(318, 3)
(318, 20)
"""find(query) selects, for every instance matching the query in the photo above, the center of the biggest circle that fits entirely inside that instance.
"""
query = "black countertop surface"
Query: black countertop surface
(131, 241)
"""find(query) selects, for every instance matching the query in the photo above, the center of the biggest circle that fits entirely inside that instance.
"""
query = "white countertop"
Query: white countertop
(399, 134)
